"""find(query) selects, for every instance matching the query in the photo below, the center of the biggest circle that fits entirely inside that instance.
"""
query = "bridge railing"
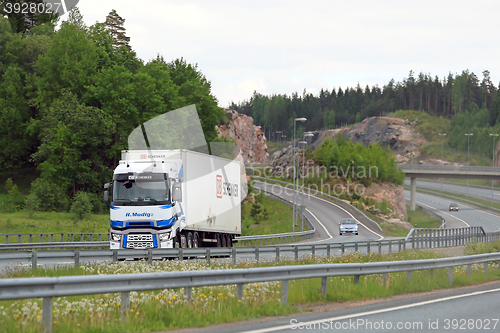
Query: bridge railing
(448, 168)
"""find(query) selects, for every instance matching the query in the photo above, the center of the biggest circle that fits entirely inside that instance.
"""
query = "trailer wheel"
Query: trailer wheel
(223, 240)
(196, 240)
(219, 241)
(183, 241)
(189, 240)
(229, 241)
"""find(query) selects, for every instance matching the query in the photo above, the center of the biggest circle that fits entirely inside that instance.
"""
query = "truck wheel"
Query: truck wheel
(183, 241)
(189, 240)
(196, 240)
(229, 241)
(223, 240)
(219, 241)
(177, 242)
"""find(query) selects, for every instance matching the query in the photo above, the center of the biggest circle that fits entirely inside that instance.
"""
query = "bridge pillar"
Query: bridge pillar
(413, 192)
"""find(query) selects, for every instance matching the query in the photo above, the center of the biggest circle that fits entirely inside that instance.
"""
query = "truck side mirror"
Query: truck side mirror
(106, 193)
(177, 192)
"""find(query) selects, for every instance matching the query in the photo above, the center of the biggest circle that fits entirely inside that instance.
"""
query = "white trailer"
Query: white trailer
(174, 198)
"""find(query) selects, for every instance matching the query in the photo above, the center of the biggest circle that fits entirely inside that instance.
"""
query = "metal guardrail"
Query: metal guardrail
(448, 168)
(332, 198)
(51, 237)
(49, 287)
(417, 239)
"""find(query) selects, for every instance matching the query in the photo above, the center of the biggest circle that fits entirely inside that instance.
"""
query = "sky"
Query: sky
(286, 46)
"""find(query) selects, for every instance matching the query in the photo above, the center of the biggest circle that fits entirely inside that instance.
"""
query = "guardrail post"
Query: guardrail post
(77, 258)
(450, 275)
(379, 247)
(239, 290)
(233, 250)
(431, 272)
(296, 251)
(328, 251)
(356, 279)
(390, 247)
(188, 292)
(150, 257)
(384, 279)
(342, 248)
(313, 251)
(404, 244)
(324, 281)
(181, 254)
(469, 270)
(284, 292)
(207, 255)
(257, 256)
(356, 247)
(31, 238)
(34, 259)
(124, 303)
(47, 315)
(485, 267)
(277, 254)
(408, 276)
(115, 255)
(368, 247)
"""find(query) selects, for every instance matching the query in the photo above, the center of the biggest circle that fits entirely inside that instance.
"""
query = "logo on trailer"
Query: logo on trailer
(143, 156)
(218, 186)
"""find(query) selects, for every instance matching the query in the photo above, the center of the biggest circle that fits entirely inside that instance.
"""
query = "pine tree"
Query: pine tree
(114, 23)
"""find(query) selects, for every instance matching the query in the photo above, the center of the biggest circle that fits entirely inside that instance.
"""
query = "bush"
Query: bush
(31, 204)
(51, 196)
(81, 207)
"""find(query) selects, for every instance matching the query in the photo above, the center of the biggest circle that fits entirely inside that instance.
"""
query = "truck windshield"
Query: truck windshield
(130, 192)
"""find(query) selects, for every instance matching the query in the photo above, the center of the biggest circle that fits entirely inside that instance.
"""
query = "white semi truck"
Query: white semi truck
(174, 198)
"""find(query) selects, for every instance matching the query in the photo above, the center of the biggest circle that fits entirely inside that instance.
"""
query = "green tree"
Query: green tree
(194, 88)
(70, 62)
(74, 141)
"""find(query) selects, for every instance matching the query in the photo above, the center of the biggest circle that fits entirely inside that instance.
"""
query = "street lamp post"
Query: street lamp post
(442, 135)
(493, 164)
(294, 171)
(468, 160)
(303, 174)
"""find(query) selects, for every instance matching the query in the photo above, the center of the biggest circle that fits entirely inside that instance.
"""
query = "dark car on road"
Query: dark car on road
(453, 206)
(348, 226)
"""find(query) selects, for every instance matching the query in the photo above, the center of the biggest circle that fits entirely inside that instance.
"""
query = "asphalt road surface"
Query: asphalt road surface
(466, 215)
(470, 309)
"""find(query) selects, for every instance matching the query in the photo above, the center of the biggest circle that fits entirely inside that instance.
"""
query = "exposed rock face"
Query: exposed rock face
(392, 132)
(247, 136)
(394, 194)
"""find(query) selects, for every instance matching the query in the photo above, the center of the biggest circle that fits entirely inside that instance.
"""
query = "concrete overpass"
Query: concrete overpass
(414, 171)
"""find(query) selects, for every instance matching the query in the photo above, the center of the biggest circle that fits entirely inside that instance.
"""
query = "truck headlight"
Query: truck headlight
(116, 237)
(164, 237)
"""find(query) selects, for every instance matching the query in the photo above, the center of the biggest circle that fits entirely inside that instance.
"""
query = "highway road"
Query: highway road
(471, 309)
(466, 215)
(325, 215)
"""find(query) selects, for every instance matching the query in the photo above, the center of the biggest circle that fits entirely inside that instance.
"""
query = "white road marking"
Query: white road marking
(368, 313)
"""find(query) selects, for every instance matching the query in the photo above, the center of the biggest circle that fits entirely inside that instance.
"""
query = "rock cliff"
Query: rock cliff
(246, 135)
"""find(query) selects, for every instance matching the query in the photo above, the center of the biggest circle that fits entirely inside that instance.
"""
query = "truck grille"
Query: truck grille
(139, 245)
(138, 238)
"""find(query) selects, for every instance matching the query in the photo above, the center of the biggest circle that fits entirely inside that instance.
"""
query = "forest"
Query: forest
(69, 98)
(472, 104)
